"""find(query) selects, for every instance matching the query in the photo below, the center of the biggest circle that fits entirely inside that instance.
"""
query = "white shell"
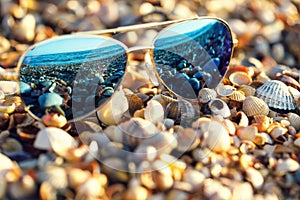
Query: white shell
(52, 138)
(154, 111)
(276, 95)
(9, 87)
(206, 94)
(219, 107)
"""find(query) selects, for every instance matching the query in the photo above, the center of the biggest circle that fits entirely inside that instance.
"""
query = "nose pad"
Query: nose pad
(140, 57)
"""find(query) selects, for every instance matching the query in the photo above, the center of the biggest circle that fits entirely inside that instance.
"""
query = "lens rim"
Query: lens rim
(61, 37)
(233, 44)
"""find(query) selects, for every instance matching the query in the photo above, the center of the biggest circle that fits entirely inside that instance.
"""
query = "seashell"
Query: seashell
(278, 134)
(241, 119)
(242, 190)
(58, 140)
(136, 191)
(254, 106)
(247, 133)
(77, 177)
(276, 95)
(262, 77)
(143, 152)
(286, 165)
(225, 90)
(247, 90)
(24, 188)
(230, 126)
(137, 129)
(219, 107)
(194, 177)
(47, 191)
(9, 87)
(181, 111)
(56, 176)
(240, 78)
(237, 96)
(7, 109)
(206, 94)
(25, 29)
(154, 111)
(262, 122)
(187, 140)
(217, 141)
(262, 138)
(112, 111)
(54, 119)
(289, 81)
(2, 95)
(294, 92)
(92, 188)
(135, 103)
(50, 99)
(254, 177)
(294, 119)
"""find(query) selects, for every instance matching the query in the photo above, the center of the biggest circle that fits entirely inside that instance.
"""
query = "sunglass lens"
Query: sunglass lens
(72, 75)
(192, 55)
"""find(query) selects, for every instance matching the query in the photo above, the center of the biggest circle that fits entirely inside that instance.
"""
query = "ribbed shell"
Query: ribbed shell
(206, 94)
(294, 119)
(276, 95)
(254, 106)
(248, 90)
(237, 96)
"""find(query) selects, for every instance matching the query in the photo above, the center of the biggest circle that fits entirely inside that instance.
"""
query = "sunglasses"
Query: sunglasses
(86, 68)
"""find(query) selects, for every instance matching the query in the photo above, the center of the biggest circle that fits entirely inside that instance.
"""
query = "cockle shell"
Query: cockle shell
(254, 106)
(294, 119)
(276, 95)
(206, 94)
(240, 78)
(237, 96)
(247, 90)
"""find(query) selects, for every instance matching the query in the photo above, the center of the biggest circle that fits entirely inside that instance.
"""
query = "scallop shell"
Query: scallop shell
(237, 96)
(206, 94)
(276, 95)
(254, 106)
(219, 107)
(240, 78)
(294, 119)
(247, 90)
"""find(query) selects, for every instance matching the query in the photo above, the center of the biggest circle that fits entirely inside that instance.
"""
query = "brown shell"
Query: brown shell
(288, 81)
(247, 90)
(254, 106)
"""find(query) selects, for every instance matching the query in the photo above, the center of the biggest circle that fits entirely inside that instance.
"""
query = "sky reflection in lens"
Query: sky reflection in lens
(192, 55)
(88, 69)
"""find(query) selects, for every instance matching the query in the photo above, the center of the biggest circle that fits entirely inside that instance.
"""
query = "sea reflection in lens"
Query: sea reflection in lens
(192, 55)
(72, 75)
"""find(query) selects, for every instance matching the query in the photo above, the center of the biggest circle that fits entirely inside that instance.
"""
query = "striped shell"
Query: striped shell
(206, 94)
(248, 90)
(294, 119)
(237, 96)
(254, 106)
(276, 95)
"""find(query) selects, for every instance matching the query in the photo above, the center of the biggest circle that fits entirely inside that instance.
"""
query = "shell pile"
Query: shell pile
(240, 140)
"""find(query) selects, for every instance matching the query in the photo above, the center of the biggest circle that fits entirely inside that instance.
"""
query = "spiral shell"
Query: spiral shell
(206, 94)
(255, 106)
(276, 95)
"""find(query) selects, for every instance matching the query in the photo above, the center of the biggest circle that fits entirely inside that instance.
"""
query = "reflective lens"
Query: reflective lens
(71, 74)
(192, 55)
